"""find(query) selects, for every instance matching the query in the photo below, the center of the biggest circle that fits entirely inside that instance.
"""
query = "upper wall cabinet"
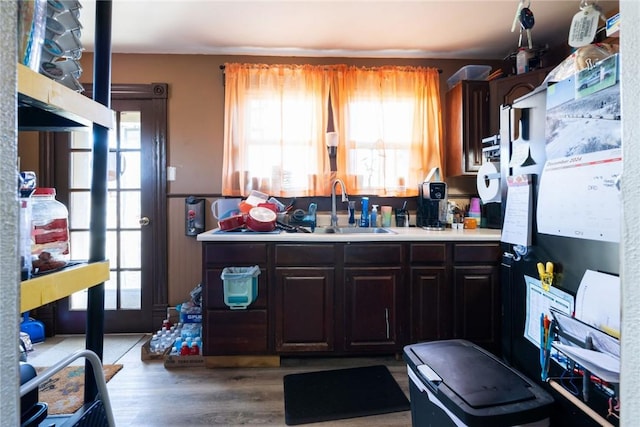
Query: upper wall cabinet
(473, 113)
(466, 123)
(46, 105)
(505, 91)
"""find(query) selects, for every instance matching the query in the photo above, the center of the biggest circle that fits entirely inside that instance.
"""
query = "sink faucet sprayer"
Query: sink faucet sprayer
(334, 214)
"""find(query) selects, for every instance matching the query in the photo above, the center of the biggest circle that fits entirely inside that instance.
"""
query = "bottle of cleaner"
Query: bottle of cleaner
(373, 219)
(364, 216)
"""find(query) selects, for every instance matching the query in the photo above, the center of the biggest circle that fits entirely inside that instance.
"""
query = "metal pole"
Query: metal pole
(98, 224)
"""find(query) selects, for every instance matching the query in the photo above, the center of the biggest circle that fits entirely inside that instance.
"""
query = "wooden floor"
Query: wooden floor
(147, 394)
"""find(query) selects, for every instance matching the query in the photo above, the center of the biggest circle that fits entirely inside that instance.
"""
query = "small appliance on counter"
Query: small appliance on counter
(432, 203)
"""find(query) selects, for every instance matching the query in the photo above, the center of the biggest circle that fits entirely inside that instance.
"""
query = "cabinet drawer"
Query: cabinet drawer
(373, 254)
(235, 255)
(477, 252)
(428, 253)
(235, 332)
(305, 255)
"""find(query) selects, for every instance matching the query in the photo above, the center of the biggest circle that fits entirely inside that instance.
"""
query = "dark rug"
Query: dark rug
(342, 393)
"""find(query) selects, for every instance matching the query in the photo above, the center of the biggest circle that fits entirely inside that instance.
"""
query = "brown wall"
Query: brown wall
(195, 132)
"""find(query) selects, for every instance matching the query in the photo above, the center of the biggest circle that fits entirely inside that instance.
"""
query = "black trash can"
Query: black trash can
(456, 383)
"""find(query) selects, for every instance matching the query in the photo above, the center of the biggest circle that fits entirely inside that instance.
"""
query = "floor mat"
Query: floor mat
(64, 391)
(342, 393)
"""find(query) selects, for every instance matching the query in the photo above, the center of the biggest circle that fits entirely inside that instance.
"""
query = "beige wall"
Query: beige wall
(195, 132)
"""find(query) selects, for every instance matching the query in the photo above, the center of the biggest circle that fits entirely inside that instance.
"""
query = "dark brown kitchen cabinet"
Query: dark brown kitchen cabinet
(229, 331)
(304, 309)
(466, 124)
(352, 297)
(374, 297)
(431, 304)
(430, 292)
(476, 294)
(372, 308)
(304, 298)
(506, 90)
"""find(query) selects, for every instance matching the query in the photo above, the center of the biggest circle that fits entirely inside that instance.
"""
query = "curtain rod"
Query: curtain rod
(222, 67)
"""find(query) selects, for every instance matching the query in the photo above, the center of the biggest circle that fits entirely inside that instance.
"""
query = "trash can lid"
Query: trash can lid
(476, 377)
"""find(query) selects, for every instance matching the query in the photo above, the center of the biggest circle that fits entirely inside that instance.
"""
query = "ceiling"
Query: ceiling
(470, 29)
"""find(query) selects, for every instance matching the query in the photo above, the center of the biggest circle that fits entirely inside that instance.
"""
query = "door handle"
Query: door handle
(144, 221)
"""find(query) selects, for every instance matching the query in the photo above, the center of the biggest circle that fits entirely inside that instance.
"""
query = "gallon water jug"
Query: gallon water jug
(49, 232)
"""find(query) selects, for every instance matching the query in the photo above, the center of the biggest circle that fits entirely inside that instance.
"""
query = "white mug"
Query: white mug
(224, 208)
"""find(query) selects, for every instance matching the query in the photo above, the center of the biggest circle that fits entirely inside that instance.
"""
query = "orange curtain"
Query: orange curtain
(275, 124)
(388, 120)
(414, 90)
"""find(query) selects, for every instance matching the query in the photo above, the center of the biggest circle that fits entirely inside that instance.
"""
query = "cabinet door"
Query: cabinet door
(373, 298)
(477, 305)
(505, 91)
(431, 304)
(304, 309)
(466, 124)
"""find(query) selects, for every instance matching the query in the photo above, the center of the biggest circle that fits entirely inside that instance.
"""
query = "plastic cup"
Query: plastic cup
(386, 216)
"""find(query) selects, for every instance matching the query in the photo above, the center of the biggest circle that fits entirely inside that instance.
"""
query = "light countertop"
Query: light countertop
(400, 234)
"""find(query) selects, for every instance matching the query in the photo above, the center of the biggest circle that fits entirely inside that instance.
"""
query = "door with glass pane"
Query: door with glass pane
(135, 220)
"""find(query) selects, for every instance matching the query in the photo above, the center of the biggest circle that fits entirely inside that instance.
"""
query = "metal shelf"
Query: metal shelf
(54, 286)
(46, 105)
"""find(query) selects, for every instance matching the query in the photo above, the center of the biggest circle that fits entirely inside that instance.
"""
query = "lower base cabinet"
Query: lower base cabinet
(353, 298)
(304, 309)
(431, 301)
(372, 300)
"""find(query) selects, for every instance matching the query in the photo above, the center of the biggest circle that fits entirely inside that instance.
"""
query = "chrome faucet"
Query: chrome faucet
(334, 214)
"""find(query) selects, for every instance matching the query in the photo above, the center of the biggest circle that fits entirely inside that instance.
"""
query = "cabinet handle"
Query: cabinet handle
(386, 320)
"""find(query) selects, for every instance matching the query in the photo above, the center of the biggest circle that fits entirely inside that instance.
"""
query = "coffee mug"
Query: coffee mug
(224, 208)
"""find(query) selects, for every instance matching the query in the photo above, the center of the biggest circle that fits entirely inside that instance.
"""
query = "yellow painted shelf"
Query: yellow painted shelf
(45, 104)
(54, 286)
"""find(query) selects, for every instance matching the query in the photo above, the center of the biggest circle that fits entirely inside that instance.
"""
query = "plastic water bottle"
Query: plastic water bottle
(373, 219)
(154, 344)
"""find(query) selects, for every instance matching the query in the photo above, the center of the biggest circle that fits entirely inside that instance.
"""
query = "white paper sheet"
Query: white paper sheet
(540, 302)
(602, 365)
(598, 301)
(516, 228)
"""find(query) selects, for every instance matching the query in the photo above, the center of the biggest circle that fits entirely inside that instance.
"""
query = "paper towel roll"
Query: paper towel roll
(488, 189)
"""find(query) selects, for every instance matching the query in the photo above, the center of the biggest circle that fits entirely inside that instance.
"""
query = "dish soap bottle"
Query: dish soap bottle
(373, 219)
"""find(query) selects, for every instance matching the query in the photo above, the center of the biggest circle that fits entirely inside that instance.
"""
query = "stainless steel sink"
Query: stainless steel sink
(354, 230)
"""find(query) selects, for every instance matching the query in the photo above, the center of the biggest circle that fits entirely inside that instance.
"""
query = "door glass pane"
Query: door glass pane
(80, 173)
(112, 248)
(130, 209)
(112, 209)
(79, 209)
(130, 290)
(130, 173)
(111, 293)
(79, 243)
(130, 249)
(130, 130)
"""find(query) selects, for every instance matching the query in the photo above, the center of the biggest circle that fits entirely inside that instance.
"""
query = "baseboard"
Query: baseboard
(242, 361)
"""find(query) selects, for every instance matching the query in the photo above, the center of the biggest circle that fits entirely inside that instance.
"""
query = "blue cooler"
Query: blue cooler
(456, 383)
